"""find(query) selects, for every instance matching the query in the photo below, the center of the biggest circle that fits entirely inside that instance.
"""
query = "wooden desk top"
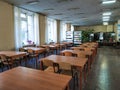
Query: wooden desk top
(81, 47)
(22, 78)
(35, 49)
(78, 51)
(13, 53)
(50, 46)
(67, 42)
(75, 61)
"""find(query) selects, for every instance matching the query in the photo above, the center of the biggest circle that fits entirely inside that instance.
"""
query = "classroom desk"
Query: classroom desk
(74, 61)
(84, 48)
(35, 49)
(22, 78)
(12, 55)
(52, 47)
(89, 54)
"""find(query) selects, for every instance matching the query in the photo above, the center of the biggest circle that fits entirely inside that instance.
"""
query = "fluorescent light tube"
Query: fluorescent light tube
(108, 1)
(105, 23)
(107, 13)
(106, 17)
(32, 2)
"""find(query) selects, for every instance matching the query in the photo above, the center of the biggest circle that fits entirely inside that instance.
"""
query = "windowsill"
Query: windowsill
(29, 45)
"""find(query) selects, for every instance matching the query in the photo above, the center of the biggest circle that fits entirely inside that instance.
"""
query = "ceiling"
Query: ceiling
(76, 12)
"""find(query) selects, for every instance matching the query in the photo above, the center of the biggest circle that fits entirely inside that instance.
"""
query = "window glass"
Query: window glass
(51, 30)
(72, 28)
(63, 29)
(27, 27)
(24, 31)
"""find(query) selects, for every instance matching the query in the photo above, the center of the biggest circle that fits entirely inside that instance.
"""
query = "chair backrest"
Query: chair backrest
(21, 49)
(67, 53)
(82, 55)
(87, 49)
(47, 62)
(64, 66)
(30, 51)
(3, 57)
(81, 49)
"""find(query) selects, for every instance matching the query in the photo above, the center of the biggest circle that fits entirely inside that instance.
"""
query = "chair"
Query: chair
(67, 53)
(33, 55)
(5, 61)
(67, 69)
(23, 58)
(81, 54)
(87, 49)
(80, 49)
(48, 50)
(21, 49)
(49, 66)
(1, 65)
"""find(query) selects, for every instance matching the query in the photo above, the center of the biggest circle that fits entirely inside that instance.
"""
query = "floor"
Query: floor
(105, 72)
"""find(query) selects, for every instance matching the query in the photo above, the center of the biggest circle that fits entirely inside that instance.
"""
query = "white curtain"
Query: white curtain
(46, 32)
(36, 28)
(63, 29)
(17, 27)
(51, 30)
(18, 30)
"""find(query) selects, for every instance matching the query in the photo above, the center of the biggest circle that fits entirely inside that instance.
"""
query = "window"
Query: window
(51, 31)
(63, 29)
(26, 27)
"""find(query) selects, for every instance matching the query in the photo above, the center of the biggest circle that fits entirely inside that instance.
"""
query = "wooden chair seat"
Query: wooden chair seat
(51, 69)
(49, 66)
(67, 53)
(82, 55)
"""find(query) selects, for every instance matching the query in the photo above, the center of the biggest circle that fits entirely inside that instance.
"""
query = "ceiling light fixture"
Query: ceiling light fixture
(105, 23)
(49, 9)
(32, 2)
(59, 14)
(106, 17)
(108, 1)
(76, 8)
(107, 13)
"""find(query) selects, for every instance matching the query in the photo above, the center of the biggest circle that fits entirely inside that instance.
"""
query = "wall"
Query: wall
(118, 30)
(99, 28)
(115, 30)
(6, 26)
(68, 26)
(42, 22)
(58, 30)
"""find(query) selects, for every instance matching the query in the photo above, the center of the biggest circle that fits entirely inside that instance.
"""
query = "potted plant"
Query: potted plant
(86, 35)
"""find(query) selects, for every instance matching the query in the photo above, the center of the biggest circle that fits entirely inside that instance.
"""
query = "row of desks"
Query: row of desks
(36, 79)
(25, 76)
